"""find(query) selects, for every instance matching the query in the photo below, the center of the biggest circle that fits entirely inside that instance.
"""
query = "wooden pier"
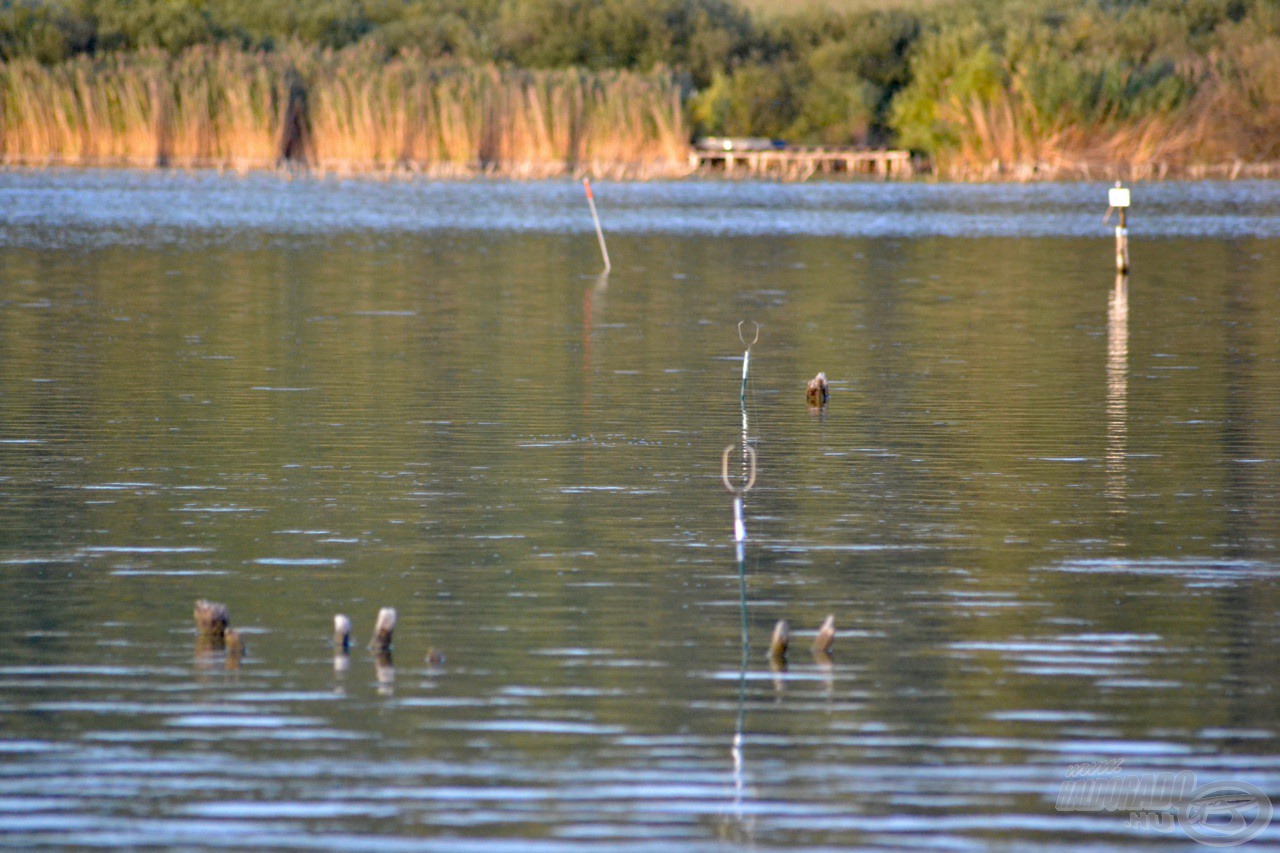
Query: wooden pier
(750, 158)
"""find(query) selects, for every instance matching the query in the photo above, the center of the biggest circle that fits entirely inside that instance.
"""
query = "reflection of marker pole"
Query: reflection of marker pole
(586, 183)
(739, 527)
(1118, 199)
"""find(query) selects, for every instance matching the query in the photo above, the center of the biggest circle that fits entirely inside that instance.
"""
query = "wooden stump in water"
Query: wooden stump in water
(383, 629)
(826, 637)
(816, 392)
(212, 619)
(341, 634)
(778, 645)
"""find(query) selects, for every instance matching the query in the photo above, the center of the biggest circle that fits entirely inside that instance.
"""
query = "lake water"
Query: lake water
(1043, 505)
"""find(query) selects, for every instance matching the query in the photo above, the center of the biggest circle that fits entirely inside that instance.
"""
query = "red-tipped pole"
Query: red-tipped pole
(586, 183)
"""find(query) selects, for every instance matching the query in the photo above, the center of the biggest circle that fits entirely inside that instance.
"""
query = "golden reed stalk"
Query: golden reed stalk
(347, 111)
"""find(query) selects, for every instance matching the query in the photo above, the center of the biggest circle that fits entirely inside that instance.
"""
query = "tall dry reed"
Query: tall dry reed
(414, 114)
(207, 107)
(338, 111)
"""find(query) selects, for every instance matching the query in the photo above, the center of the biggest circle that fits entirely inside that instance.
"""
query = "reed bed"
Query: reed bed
(1217, 134)
(346, 111)
(207, 107)
(1212, 114)
(415, 115)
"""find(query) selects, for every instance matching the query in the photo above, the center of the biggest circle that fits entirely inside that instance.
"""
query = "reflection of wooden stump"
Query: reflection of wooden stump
(385, 671)
(235, 649)
(383, 629)
(816, 392)
(207, 646)
(826, 637)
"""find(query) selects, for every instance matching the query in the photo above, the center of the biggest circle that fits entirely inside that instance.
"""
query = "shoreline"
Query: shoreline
(995, 173)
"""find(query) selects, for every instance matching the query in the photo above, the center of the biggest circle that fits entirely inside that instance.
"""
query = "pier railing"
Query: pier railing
(749, 158)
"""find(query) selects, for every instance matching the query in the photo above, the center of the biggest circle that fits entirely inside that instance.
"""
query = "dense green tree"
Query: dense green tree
(45, 32)
(696, 36)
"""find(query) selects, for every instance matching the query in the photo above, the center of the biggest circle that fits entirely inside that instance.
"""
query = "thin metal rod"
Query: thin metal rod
(586, 183)
(746, 361)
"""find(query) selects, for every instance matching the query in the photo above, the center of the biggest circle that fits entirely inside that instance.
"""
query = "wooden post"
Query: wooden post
(826, 637)
(341, 634)
(591, 202)
(778, 645)
(383, 629)
(1118, 198)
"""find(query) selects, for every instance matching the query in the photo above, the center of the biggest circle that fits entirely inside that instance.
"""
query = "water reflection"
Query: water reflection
(594, 300)
(317, 417)
(385, 671)
(96, 208)
(1118, 394)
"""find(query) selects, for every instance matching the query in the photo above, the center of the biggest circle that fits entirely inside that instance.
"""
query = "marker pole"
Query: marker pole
(586, 183)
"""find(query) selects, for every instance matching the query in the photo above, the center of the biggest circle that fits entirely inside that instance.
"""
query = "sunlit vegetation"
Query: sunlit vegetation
(1152, 85)
(337, 111)
(1030, 87)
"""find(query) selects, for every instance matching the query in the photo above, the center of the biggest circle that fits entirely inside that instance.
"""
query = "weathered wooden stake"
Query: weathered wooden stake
(778, 644)
(212, 619)
(826, 637)
(383, 629)
(341, 634)
(212, 626)
(816, 393)
(586, 183)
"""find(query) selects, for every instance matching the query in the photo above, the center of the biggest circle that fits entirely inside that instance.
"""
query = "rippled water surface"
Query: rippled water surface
(1041, 504)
